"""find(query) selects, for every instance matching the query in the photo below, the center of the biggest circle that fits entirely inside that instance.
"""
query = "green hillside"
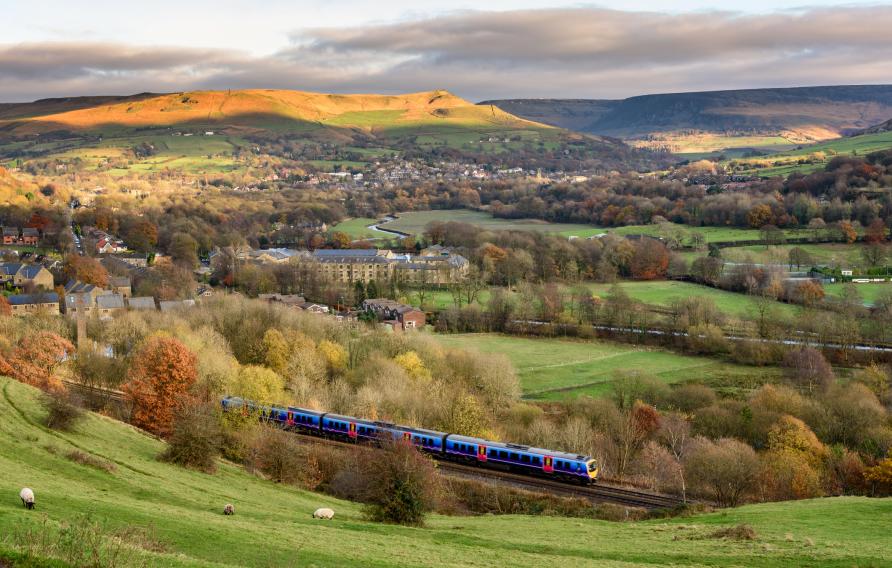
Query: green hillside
(175, 516)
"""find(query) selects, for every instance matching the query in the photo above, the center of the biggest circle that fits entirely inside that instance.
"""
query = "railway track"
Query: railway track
(598, 493)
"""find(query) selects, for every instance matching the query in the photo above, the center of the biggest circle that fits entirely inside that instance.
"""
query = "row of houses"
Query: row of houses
(24, 236)
(26, 276)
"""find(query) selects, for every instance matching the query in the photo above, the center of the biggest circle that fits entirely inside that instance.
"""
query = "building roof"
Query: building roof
(31, 271)
(119, 281)
(110, 302)
(78, 287)
(168, 305)
(328, 253)
(142, 303)
(30, 232)
(10, 268)
(24, 299)
(10, 231)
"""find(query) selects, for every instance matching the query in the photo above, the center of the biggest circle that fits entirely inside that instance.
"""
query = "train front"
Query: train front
(591, 467)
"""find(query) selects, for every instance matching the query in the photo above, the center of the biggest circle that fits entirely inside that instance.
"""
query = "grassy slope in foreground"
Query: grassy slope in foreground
(272, 525)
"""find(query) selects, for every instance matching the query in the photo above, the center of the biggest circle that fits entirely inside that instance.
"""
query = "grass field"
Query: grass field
(555, 369)
(663, 292)
(415, 222)
(831, 254)
(359, 228)
(272, 525)
(657, 293)
(786, 162)
(869, 293)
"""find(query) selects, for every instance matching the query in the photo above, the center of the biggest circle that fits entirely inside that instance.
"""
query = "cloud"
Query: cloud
(574, 52)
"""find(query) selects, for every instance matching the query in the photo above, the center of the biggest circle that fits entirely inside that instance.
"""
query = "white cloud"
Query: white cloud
(579, 52)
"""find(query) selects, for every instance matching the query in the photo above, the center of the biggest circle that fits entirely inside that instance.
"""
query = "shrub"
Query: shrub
(278, 455)
(62, 412)
(82, 458)
(196, 439)
(400, 484)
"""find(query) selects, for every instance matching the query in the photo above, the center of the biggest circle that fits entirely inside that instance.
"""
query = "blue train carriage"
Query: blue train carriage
(535, 461)
(303, 419)
(427, 440)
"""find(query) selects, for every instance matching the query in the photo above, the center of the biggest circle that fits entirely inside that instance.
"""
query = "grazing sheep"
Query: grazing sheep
(27, 497)
(229, 509)
(323, 513)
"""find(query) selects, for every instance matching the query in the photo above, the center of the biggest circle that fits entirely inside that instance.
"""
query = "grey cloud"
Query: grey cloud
(580, 52)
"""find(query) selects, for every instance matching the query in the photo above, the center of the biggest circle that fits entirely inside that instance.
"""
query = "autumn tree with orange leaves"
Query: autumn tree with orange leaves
(34, 360)
(650, 261)
(85, 269)
(162, 372)
(5, 308)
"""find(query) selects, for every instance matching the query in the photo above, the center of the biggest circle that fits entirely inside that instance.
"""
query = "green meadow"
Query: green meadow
(554, 369)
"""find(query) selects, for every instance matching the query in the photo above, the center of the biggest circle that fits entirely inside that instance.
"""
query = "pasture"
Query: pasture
(810, 158)
(358, 228)
(868, 293)
(415, 222)
(176, 516)
(831, 254)
(555, 369)
(662, 293)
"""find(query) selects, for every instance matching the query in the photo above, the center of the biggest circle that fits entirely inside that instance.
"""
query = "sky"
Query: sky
(478, 50)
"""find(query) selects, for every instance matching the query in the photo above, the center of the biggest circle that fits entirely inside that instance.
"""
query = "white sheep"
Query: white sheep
(229, 509)
(323, 513)
(27, 497)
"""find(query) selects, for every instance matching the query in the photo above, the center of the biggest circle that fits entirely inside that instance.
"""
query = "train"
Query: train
(538, 462)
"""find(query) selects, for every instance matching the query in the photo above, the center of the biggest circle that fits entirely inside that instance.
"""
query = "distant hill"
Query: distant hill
(797, 115)
(252, 110)
(878, 128)
(367, 125)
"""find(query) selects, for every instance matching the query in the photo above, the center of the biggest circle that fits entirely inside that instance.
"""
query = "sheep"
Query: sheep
(27, 497)
(323, 513)
(229, 509)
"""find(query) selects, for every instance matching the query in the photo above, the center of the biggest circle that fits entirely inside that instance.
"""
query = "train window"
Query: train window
(503, 454)
(525, 458)
(514, 456)
(493, 454)
(537, 461)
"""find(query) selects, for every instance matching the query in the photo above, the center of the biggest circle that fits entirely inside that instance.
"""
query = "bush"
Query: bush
(278, 455)
(62, 412)
(400, 484)
(82, 458)
(196, 439)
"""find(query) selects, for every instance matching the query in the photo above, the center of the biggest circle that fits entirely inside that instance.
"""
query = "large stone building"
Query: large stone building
(366, 265)
(27, 304)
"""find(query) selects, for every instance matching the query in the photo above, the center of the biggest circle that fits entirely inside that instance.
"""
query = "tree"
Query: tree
(799, 257)
(633, 431)
(880, 476)
(847, 231)
(161, 373)
(650, 261)
(340, 240)
(184, 250)
(35, 359)
(276, 350)
(808, 368)
(875, 232)
(254, 382)
(818, 227)
(5, 308)
(675, 433)
(874, 254)
(726, 470)
(86, 269)
(759, 216)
